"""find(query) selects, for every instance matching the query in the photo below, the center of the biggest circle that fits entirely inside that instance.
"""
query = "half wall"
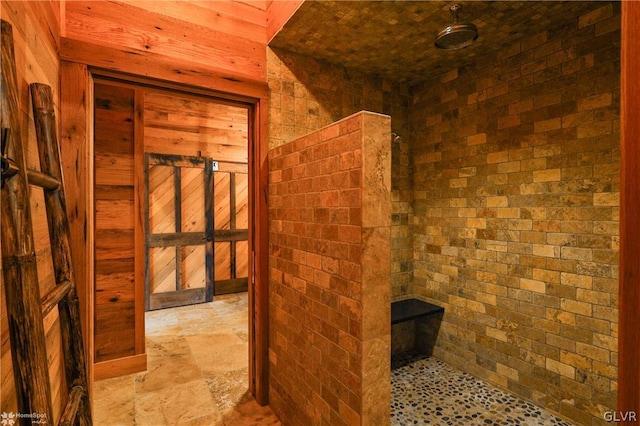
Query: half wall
(329, 220)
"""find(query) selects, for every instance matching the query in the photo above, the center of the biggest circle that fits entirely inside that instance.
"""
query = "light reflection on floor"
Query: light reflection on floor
(197, 358)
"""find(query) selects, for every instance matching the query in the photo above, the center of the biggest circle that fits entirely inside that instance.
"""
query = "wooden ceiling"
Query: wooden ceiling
(395, 39)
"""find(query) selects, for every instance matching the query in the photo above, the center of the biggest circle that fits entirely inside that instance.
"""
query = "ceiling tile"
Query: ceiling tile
(395, 39)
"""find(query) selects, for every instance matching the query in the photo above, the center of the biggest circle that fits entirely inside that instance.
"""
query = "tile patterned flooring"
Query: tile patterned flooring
(197, 372)
(197, 375)
(426, 391)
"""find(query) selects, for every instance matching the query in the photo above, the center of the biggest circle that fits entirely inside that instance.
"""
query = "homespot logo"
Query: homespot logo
(9, 419)
(621, 416)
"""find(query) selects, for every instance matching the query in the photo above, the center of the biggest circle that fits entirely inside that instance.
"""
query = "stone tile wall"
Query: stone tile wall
(306, 94)
(516, 214)
(330, 298)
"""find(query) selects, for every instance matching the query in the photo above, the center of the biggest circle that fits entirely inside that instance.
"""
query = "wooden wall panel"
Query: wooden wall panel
(193, 267)
(242, 201)
(238, 19)
(629, 346)
(221, 200)
(114, 214)
(222, 260)
(36, 33)
(76, 152)
(135, 63)
(192, 204)
(186, 125)
(242, 259)
(114, 222)
(162, 269)
(180, 32)
(162, 212)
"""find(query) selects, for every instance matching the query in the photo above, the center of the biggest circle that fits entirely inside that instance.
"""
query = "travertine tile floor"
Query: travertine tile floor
(197, 372)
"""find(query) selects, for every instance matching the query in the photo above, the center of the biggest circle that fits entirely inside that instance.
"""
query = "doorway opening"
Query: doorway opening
(175, 184)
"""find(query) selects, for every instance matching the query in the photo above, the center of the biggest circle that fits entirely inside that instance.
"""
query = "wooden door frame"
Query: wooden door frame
(77, 151)
(629, 279)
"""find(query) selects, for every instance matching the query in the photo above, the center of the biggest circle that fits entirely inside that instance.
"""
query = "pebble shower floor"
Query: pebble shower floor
(426, 391)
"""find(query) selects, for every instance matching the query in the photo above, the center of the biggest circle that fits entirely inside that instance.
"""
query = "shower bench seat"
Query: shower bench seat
(410, 309)
(414, 326)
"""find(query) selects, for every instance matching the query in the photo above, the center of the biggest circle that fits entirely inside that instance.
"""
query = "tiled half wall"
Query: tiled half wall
(330, 267)
(306, 94)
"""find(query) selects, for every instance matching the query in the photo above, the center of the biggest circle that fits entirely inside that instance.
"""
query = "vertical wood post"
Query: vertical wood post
(76, 150)
(259, 247)
(209, 232)
(140, 256)
(629, 304)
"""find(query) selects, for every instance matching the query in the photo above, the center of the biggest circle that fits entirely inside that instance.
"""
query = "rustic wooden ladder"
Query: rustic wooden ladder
(26, 310)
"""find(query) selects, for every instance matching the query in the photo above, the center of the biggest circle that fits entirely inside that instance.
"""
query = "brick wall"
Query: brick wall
(329, 209)
(306, 94)
(516, 214)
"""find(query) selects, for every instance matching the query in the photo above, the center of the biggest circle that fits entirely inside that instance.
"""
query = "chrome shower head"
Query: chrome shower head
(457, 35)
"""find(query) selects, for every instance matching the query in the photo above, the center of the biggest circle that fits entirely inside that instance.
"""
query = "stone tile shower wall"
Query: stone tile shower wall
(516, 214)
(306, 94)
(329, 261)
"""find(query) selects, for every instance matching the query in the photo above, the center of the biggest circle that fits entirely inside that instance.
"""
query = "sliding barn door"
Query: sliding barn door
(179, 231)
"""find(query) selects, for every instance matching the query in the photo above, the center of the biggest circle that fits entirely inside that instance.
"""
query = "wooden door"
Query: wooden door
(178, 230)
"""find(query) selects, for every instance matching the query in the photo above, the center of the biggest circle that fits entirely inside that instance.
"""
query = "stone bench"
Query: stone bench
(414, 326)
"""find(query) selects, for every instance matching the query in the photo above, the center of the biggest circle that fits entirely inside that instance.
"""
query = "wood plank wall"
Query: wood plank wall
(208, 43)
(194, 126)
(36, 33)
(114, 222)
(76, 150)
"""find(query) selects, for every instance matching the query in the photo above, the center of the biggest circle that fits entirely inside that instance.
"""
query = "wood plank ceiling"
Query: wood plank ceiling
(395, 39)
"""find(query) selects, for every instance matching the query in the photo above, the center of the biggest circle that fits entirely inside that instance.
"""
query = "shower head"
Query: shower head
(457, 35)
